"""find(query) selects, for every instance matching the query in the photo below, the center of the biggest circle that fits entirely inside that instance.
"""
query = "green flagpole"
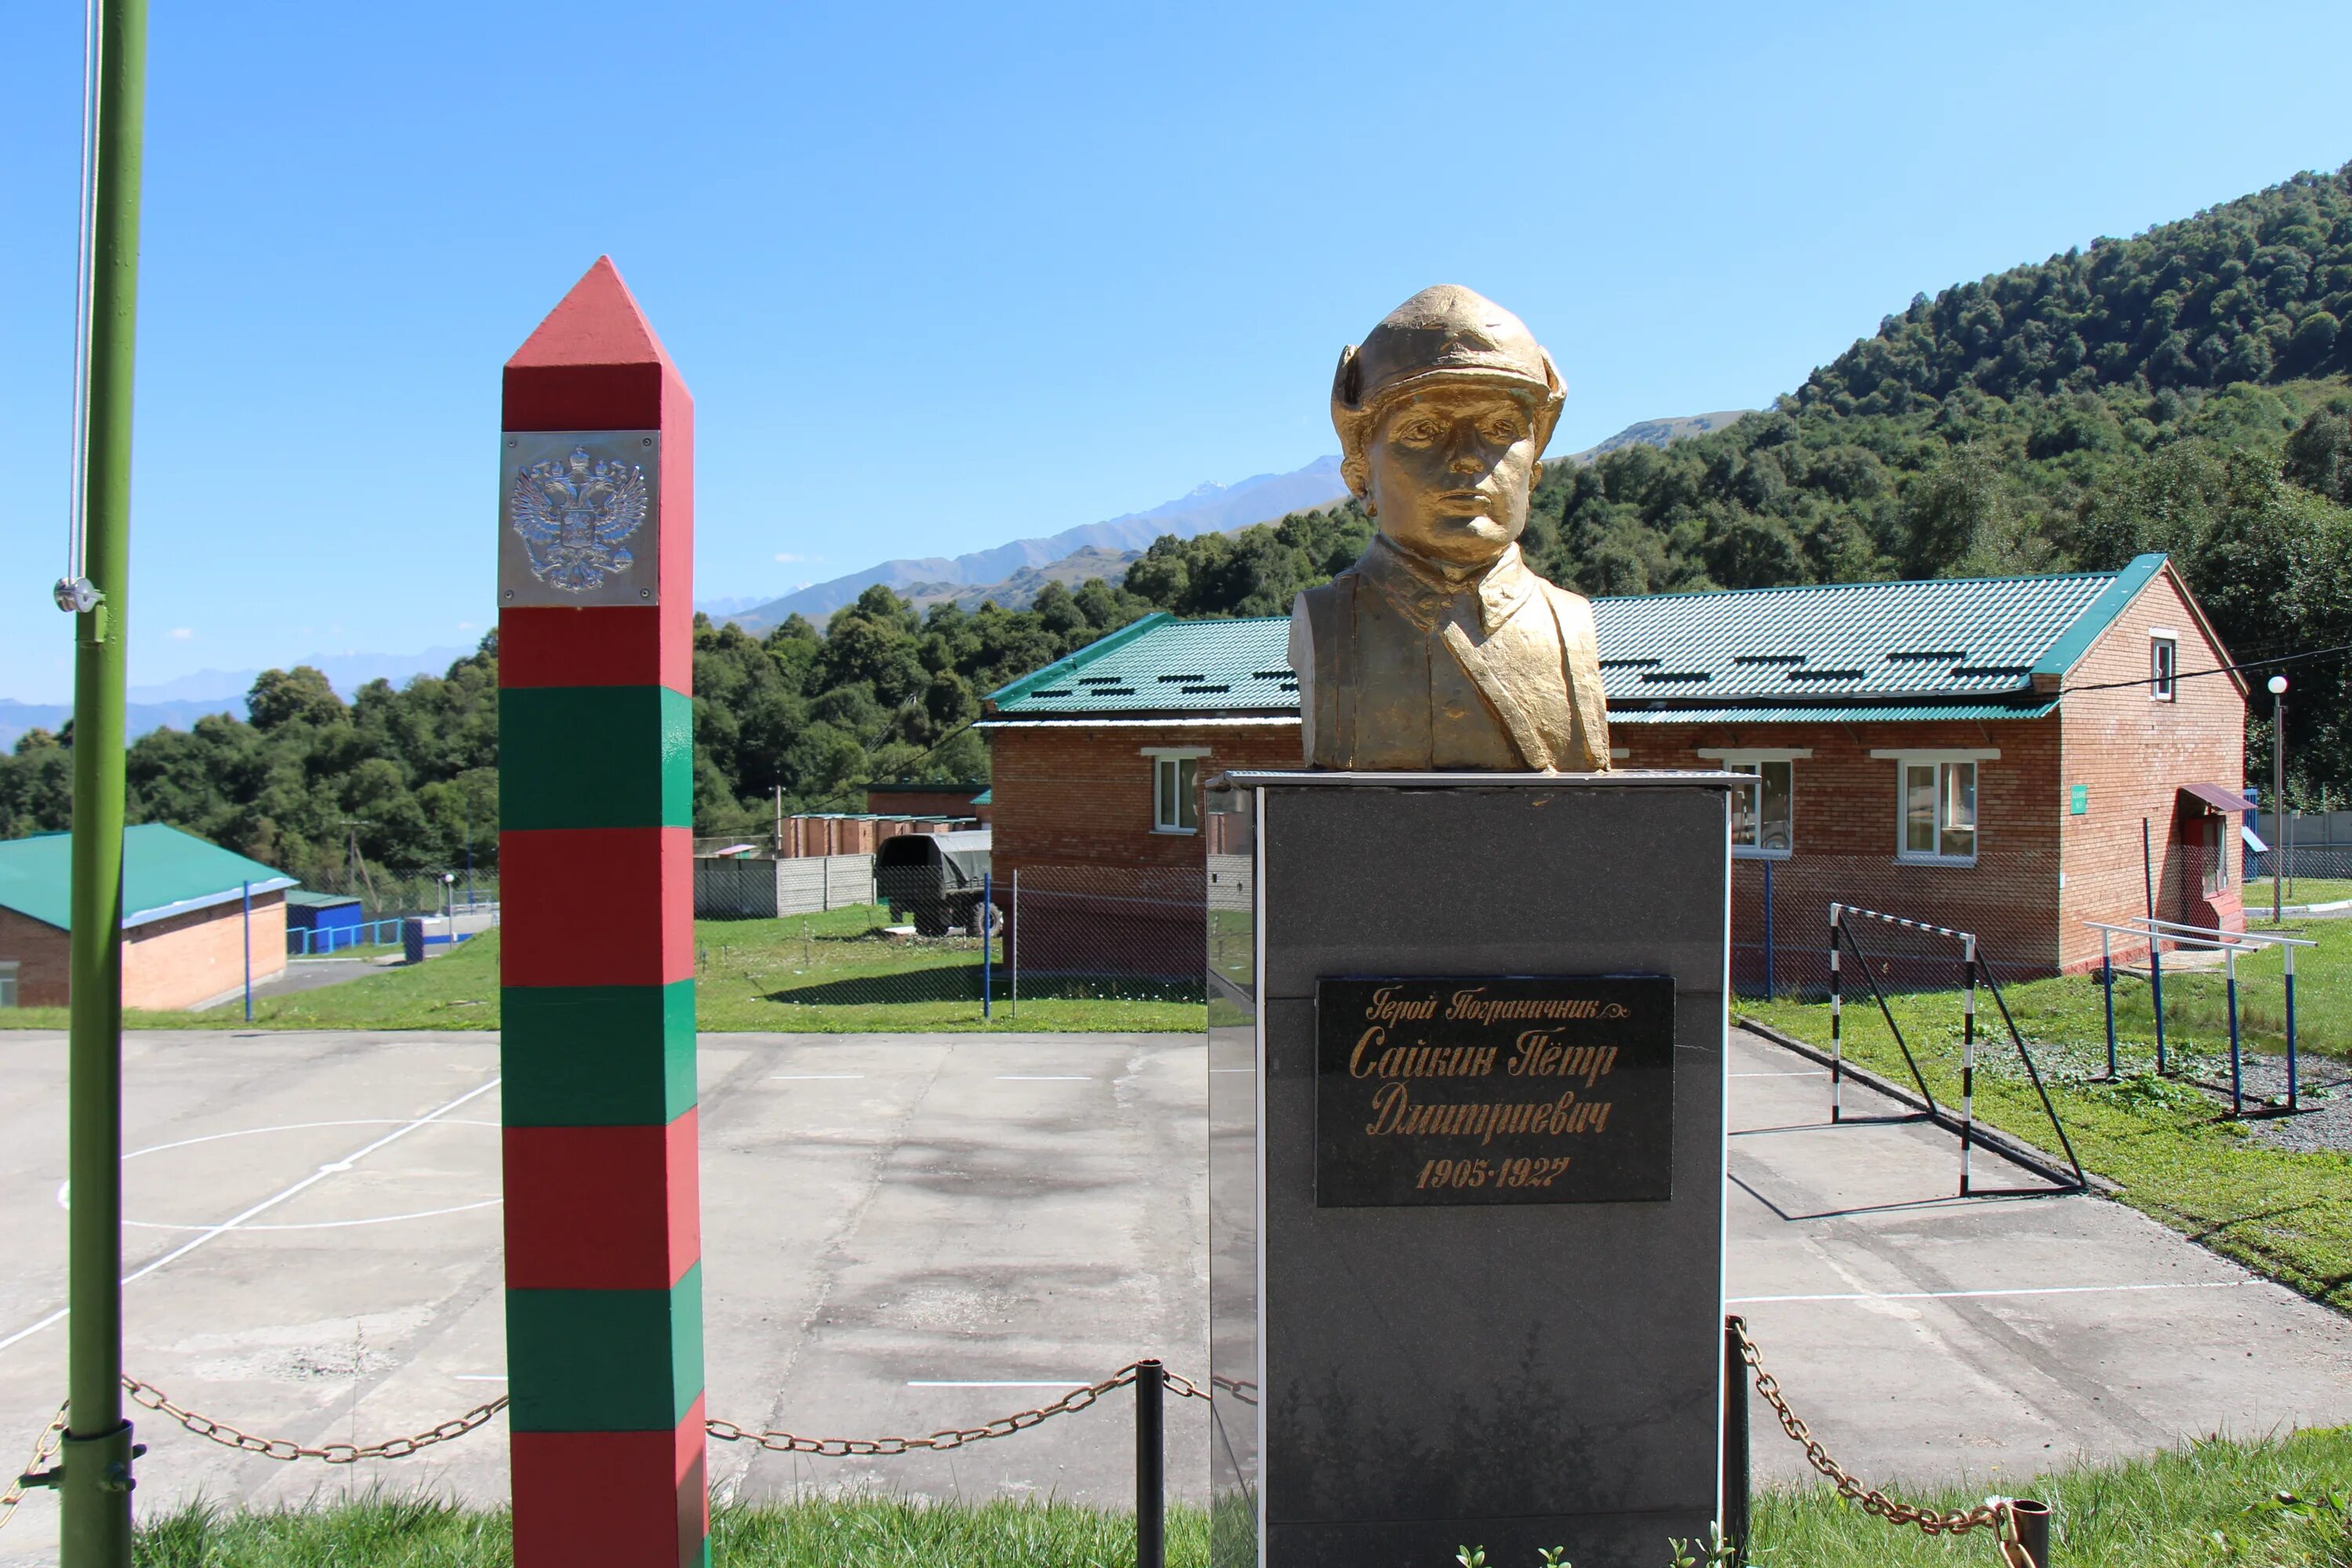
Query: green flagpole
(95, 1483)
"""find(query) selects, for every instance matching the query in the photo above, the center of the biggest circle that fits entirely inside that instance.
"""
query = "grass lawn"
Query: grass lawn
(2212, 1502)
(2298, 890)
(831, 973)
(2177, 1156)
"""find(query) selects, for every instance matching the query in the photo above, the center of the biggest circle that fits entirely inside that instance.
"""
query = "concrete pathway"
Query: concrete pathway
(906, 1233)
(1926, 1336)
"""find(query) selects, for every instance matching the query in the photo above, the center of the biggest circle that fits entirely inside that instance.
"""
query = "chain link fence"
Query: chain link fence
(386, 895)
(1780, 923)
(1053, 946)
(1095, 934)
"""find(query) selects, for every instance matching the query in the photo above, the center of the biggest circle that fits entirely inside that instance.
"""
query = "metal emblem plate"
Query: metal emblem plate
(579, 517)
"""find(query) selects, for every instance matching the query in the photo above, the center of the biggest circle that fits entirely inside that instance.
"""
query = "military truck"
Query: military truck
(934, 879)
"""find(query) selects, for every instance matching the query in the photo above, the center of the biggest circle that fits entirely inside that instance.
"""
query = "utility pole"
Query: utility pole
(93, 1476)
(2278, 791)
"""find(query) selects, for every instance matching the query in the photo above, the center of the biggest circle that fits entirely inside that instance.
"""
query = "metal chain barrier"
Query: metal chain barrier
(285, 1448)
(44, 1449)
(953, 1437)
(1994, 1515)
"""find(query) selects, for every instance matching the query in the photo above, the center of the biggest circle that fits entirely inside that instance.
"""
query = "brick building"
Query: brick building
(184, 927)
(950, 800)
(1981, 753)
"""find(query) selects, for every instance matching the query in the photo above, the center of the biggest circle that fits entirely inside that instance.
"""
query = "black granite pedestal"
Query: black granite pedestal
(1463, 1299)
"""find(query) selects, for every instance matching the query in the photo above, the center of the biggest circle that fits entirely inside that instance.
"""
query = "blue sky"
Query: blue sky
(944, 276)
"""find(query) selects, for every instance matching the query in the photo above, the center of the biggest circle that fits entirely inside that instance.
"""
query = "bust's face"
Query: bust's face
(1448, 471)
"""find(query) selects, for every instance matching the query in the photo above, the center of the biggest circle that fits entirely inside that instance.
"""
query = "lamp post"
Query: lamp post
(2278, 790)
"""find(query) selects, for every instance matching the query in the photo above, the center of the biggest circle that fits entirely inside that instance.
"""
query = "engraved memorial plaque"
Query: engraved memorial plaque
(1524, 1089)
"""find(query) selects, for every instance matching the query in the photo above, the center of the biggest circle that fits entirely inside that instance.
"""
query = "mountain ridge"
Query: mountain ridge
(1208, 507)
(1104, 549)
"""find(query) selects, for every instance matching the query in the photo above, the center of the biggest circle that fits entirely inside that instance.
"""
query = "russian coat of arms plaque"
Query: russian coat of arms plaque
(579, 517)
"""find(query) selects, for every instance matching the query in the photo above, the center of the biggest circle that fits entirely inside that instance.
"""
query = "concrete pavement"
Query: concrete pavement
(906, 1233)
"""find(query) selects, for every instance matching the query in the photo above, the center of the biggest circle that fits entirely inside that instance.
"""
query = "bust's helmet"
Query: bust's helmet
(1446, 333)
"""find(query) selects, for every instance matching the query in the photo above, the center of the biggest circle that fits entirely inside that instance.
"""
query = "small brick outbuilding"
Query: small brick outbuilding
(1986, 753)
(183, 920)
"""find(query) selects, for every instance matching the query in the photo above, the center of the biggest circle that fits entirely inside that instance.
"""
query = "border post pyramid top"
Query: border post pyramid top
(598, 323)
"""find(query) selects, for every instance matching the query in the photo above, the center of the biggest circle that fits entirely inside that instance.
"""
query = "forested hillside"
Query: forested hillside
(2184, 390)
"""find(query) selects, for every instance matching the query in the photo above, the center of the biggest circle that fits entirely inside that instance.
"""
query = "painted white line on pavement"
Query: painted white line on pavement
(329, 1223)
(2023, 1291)
(266, 1205)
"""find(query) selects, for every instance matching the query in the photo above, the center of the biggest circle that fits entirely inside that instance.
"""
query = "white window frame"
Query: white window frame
(1750, 760)
(2163, 665)
(1168, 762)
(1905, 761)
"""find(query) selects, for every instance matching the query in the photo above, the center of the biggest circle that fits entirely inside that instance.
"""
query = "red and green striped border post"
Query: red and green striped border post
(603, 1233)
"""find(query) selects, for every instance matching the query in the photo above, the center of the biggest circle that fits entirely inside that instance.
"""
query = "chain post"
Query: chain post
(2031, 1520)
(1151, 1466)
(1736, 1465)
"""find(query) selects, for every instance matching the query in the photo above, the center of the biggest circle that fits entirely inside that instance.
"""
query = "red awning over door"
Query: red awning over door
(2214, 797)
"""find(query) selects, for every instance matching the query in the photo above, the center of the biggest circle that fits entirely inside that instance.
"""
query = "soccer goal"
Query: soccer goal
(1932, 949)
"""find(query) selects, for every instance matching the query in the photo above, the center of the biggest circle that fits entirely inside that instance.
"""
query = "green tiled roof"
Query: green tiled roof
(1953, 637)
(1964, 647)
(1162, 665)
(165, 872)
(1825, 712)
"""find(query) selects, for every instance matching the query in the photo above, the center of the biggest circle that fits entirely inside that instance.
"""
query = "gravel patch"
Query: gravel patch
(2323, 1090)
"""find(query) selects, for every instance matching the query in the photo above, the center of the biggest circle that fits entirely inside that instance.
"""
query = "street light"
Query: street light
(2278, 790)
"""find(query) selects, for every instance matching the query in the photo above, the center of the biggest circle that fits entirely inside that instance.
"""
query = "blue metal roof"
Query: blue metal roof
(1960, 648)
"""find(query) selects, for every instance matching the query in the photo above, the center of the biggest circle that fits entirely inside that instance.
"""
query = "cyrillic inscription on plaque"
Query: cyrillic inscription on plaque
(1504, 1091)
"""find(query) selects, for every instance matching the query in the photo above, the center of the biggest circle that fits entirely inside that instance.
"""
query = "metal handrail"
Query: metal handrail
(2209, 939)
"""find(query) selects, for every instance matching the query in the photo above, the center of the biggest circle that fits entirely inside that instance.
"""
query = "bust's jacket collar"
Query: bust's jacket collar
(1424, 590)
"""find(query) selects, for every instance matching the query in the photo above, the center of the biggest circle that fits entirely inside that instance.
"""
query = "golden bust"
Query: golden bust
(1439, 648)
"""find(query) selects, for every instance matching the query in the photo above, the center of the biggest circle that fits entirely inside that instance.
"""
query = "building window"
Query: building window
(1763, 815)
(1176, 794)
(7, 982)
(2163, 660)
(1763, 823)
(1939, 811)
